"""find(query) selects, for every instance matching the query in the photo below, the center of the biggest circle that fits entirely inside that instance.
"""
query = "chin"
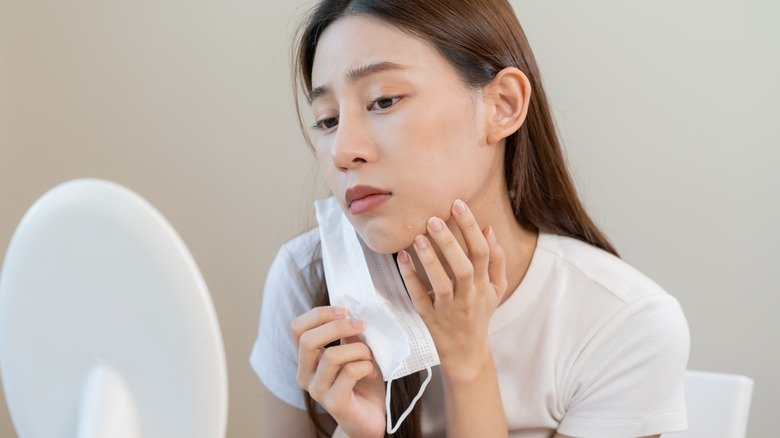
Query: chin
(384, 245)
(387, 237)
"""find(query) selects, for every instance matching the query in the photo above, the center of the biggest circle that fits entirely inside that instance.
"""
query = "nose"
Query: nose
(352, 143)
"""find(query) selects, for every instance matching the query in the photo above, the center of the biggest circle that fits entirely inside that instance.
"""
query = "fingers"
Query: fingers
(331, 362)
(330, 374)
(467, 269)
(313, 318)
(342, 388)
(485, 263)
(440, 281)
(417, 292)
(459, 262)
(497, 263)
(312, 341)
(478, 246)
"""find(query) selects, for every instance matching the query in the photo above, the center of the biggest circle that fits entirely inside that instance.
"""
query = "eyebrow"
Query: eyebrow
(355, 74)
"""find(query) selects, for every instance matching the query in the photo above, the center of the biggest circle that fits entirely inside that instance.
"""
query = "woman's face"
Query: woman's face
(415, 132)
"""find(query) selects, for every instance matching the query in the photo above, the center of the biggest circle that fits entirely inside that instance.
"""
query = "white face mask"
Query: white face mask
(370, 287)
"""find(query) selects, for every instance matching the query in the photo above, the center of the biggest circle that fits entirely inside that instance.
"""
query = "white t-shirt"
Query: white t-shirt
(586, 345)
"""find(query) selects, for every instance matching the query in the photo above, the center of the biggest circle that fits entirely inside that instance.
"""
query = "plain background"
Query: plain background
(668, 113)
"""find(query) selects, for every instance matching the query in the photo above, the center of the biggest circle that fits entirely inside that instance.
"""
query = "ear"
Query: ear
(506, 98)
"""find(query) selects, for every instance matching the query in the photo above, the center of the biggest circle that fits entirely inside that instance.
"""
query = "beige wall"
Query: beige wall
(668, 111)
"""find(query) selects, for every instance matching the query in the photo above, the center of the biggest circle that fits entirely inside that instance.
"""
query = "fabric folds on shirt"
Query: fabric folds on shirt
(586, 345)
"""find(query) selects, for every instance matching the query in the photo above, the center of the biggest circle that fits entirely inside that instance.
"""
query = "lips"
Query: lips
(361, 191)
(369, 203)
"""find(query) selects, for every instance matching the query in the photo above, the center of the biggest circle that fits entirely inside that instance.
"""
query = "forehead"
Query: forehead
(359, 40)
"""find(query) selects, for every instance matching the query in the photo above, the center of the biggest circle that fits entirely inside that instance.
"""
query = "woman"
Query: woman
(542, 330)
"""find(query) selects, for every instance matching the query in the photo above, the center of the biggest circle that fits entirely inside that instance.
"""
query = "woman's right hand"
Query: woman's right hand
(344, 379)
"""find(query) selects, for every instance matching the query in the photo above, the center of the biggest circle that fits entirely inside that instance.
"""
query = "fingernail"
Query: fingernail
(460, 206)
(419, 242)
(491, 234)
(435, 223)
(357, 323)
(339, 311)
(404, 256)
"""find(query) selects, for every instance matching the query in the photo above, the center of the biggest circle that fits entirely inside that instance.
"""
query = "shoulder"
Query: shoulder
(302, 249)
(626, 340)
(601, 270)
(604, 300)
(294, 277)
(291, 289)
(298, 258)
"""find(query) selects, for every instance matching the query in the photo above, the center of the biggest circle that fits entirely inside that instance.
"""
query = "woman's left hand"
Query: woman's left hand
(457, 312)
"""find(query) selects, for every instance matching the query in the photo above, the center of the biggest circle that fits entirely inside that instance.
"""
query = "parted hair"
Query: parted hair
(478, 38)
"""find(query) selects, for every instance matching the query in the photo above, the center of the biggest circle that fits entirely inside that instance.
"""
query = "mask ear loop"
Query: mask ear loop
(390, 428)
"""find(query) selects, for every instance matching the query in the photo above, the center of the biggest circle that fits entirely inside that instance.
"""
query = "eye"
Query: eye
(383, 103)
(322, 125)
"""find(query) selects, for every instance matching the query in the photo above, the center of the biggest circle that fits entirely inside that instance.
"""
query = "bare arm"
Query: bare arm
(472, 401)
(282, 420)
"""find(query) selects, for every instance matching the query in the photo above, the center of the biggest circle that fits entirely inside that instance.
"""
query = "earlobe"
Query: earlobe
(510, 93)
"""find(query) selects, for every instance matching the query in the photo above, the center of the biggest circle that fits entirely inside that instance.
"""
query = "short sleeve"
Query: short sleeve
(628, 380)
(273, 356)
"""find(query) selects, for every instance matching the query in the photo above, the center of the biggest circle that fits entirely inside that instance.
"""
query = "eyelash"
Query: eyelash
(318, 126)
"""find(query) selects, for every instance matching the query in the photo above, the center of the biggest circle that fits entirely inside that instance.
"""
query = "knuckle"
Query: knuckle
(463, 278)
(466, 273)
(470, 223)
(328, 401)
(429, 263)
(294, 326)
(329, 357)
(352, 369)
(444, 291)
(497, 257)
(317, 394)
(325, 358)
(345, 325)
(306, 341)
(451, 242)
(300, 379)
(481, 250)
(366, 350)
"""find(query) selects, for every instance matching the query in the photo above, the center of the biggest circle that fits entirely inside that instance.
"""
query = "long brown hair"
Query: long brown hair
(478, 38)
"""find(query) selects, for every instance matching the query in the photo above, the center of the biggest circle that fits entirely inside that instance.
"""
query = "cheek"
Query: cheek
(319, 157)
(444, 127)
(436, 146)
(324, 161)
(439, 165)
